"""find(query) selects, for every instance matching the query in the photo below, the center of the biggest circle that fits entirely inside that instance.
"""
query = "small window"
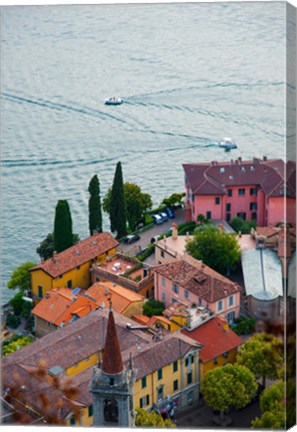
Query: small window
(90, 410)
(175, 366)
(69, 283)
(48, 324)
(231, 301)
(253, 206)
(175, 288)
(228, 217)
(78, 267)
(254, 216)
(215, 360)
(253, 191)
(200, 301)
(220, 305)
(40, 291)
(72, 420)
(241, 192)
(243, 169)
(143, 382)
(228, 207)
(162, 254)
(97, 279)
(222, 169)
(163, 281)
(175, 385)
(208, 215)
(189, 378)
(144, 401)
(217, 200)
(163, 297)
(229, 192)
(160, 374)
(226, 354)
(193, 197)
(186, 294)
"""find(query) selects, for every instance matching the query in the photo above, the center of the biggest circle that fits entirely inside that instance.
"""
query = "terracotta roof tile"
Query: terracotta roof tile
(82, 252)
(214, 338)
(112, 357)
(197, 278)
(53, 305)
(121, 297)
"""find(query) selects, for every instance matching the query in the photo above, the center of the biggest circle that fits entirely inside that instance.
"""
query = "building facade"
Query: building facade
(259, 190)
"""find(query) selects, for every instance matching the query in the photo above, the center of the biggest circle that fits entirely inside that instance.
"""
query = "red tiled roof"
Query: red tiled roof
(112, 357)
(197, 278)
(214, 338)
(76, 255)
(213, 178)
(79, 307)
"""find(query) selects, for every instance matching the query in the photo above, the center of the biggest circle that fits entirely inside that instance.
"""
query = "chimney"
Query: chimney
(174, 232)
(42, 260)
(55, 257)
(264, 158)
(239, 160)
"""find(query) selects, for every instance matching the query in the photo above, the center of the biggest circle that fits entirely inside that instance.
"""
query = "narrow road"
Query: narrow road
(145, 238)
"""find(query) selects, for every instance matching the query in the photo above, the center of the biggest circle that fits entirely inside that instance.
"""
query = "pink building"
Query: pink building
(188, 281)
(259, 190)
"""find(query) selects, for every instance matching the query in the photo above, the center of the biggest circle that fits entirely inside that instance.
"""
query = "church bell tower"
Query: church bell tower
(112, 384)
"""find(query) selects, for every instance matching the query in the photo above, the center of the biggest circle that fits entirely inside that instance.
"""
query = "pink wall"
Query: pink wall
(267, 212)
(164, 285)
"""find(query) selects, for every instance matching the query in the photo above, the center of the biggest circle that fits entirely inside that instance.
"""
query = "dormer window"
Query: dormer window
(222, 169)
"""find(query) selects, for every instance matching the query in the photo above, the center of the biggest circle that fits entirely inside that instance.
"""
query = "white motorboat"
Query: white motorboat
(228, 144)
(113, 101)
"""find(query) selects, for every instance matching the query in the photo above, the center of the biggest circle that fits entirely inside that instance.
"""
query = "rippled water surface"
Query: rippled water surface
(190, 74)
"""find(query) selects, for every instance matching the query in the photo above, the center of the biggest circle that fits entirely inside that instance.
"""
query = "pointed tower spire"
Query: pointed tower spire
(112, 358)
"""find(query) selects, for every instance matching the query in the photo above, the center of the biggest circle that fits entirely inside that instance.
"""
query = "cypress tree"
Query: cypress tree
(118, 215)
(63, 237)
(95, 213)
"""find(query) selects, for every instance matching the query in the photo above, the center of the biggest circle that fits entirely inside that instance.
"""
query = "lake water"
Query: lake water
(190, 74)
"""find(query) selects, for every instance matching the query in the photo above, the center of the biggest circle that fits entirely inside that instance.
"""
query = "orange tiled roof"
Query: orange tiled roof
(198, 278)
(214, 338)
(121, 297)
(76, 255)
(52, 306)
(80, 307)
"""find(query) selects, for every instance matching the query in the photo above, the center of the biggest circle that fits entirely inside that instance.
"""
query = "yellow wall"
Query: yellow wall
(82, 365)
(205, 367)
(80, 277)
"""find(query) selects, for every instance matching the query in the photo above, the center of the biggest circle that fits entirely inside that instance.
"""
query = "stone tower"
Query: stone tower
(112, 384)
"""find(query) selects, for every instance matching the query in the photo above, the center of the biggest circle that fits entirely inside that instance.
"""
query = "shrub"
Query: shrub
(13, 321)
(147, 252)
(153, 307)
(15, 343)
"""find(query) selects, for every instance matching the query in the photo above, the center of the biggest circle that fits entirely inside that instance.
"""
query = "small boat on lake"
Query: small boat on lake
(228, 144)
(113, 101)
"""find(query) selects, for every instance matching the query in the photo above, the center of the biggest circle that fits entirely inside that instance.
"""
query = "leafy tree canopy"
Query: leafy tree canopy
(218, 250)
(227, 387)
(239, 224)
(174, 199)
(153, 307)
(15, 343)
(21, 277)
(263, 355)
(272, 403)
(20, 306)
(137, 203)
(152, 419)
(47, 246)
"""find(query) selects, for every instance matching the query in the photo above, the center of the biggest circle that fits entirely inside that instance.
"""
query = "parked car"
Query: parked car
(157, 219)
(155, 238)
(131, 238)
(170, 213)
(164, 216)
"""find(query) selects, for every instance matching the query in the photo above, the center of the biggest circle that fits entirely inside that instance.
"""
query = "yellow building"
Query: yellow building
(71, 268)
(167, 369)
(220, 344)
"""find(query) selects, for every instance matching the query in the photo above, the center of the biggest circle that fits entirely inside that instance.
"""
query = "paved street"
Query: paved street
(202, 416)
(155, 230)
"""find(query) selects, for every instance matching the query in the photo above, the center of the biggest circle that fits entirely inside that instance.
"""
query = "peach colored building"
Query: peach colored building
(259, 190)
(189, 282)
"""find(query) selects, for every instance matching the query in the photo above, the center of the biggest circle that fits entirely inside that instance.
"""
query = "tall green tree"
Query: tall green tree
(263, 354)
(21, 277)
(95, 212)
(63, 236)
(47, 246)
(275, 407)
(227, 387)
(152, 419)
(137, 203)
(218, 250)
(118, 213)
